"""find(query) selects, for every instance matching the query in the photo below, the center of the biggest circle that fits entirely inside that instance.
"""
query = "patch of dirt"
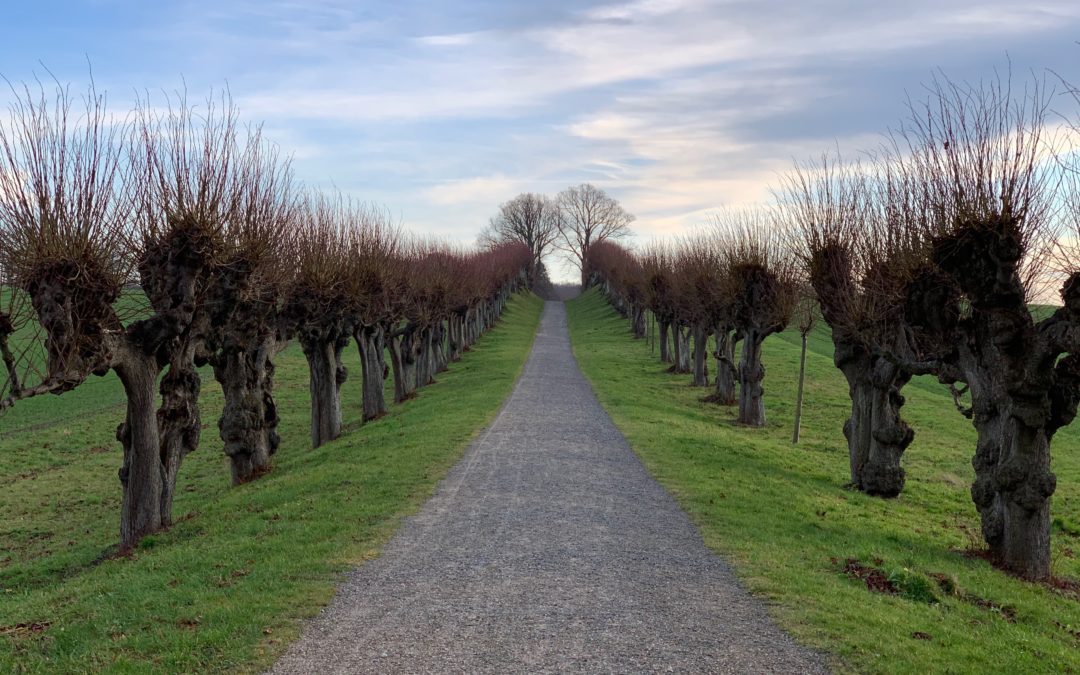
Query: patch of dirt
(1006, 612)
(875, 579)
(919, 635)
(1070, 588)
(25, 629)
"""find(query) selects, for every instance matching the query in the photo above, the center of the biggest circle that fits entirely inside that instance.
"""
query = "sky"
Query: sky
(440, 111)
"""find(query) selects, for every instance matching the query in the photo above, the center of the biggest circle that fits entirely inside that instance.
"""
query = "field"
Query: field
(227, 587)
(814, 549)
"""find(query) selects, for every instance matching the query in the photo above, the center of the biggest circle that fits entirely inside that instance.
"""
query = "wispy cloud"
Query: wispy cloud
(673, 106)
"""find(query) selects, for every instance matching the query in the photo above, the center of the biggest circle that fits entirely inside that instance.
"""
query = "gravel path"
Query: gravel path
(548, 548)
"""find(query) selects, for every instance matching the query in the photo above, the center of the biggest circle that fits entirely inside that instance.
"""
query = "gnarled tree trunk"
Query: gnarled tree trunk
(726, 371)
(751, 375)
(179, 423)
(141, 472)
(876, 434)
(1013, 481)
(249, 420)
(369, 341)
(681, 339)
(403, 361)
(327, 374)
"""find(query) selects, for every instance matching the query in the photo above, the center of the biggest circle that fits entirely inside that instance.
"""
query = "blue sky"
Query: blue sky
(442, 110)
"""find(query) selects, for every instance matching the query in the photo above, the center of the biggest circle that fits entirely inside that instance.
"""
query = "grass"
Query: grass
(812, 548)
(228, 586)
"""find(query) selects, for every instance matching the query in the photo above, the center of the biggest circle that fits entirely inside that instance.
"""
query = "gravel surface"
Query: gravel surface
(548, 548)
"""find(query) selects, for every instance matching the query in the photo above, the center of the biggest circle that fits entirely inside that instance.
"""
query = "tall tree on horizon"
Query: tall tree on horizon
(587, 216)
(529, 218)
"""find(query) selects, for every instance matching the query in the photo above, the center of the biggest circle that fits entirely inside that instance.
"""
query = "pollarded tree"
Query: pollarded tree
(77, 221)
(976, 158)
(763, 279)
(657, 270)
(530, 219)
(856, 268)
(372, 290)
(316, 303)
(200, 187)
(698, 275)
(245, 329)
(588, 216)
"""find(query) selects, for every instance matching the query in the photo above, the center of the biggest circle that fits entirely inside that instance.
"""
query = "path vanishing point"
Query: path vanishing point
(548, 548)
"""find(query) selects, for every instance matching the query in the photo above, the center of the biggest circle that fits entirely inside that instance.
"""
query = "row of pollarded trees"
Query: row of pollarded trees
(925, 258)
(735, 284)
(166, 241)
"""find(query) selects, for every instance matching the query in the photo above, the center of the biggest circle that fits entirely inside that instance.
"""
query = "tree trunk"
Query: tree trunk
(726, 371)
(179, 424)
(799, 396)
(248, 424)
(327, 374)
(638, 321)
(665, 351)
(701, 356)
(889, 435)
(876, 434)
(425, 358)
(681, 338)
(751, 375)
(141, 472)
(1013, 486)
(403, 360)
(369, 341)
(441, 343)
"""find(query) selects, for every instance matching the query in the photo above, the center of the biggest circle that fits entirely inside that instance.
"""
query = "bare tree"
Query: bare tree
(763, 279)
(657, 263)
(529, 218)
(587, 216)
(856, 270)
(976, 160)
(316, 304)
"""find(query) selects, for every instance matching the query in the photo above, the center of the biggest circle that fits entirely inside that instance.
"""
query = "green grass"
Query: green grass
(781, 515)
(227, 587)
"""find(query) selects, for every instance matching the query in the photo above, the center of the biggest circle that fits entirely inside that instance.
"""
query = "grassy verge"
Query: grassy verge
(813, 549)
(227, 587)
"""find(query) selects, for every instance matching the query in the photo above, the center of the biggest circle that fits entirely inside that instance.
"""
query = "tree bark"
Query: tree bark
(665, 350)
(369, 341)
(701, 356)
(403, 361)
(327, 374)
(638, 321)
(249, 420)
(179, 422)
(1013, 483)
(876, 434)
(681, 338)
(726, 371)
(751, 375)
(141, 472)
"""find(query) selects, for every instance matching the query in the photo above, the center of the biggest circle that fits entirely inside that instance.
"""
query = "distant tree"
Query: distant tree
(587, 216)
(529, 218)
